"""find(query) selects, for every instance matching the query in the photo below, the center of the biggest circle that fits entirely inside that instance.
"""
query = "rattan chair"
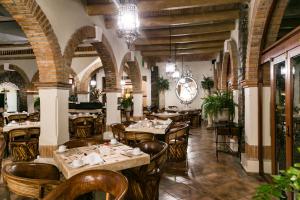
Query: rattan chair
(2, 150)
(34, 117)
(144, 181)
(21, 146)
(118, 130)
(99, 125)
(133, 138)
(112, 183)
(33, 180)
(83, 127)
(17, 117)
(177, 139)
(81, 142)
(1, 120)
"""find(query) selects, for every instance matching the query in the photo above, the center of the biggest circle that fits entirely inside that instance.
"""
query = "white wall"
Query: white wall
(198, 69)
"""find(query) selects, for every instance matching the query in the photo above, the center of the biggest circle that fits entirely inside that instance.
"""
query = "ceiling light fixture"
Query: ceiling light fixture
(128, 21)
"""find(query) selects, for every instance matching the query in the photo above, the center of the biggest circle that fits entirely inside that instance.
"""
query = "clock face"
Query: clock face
(186, 90)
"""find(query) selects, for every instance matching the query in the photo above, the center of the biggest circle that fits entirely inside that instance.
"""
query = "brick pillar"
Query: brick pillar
(54, 118)
(137, 105)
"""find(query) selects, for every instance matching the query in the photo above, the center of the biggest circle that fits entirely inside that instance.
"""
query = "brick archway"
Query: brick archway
(18, 77)
(275, 22)
(224, 71)
(70, 71)
(42, 38)
(104, 51)
(132, 69)
(260, 15)
(84, 83)
(234, 62)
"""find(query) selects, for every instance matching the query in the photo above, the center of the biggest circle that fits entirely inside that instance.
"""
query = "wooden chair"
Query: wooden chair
(1, 120)
(22, 147)
(83, 127)
(112, 183)
(118, 130)
(34, 117)
(177, 139)
(99, 125)
(34, 132)
(2, 150)
(133, 138)
(144, 181)
(81, 142)
(33, 180)
(128, 123)
(17, 117)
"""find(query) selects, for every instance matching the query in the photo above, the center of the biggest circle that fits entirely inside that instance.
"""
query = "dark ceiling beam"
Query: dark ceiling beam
(157, 5)
(182, 52)
(184, 39)
(179, 46)
(189, 30)
(176, 20)
(186, 58)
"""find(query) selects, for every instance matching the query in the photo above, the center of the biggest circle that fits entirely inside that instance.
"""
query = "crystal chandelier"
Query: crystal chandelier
(170, 66)
(128, 21)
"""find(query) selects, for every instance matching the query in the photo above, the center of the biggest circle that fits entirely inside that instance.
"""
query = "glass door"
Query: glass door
(294, 65)
(278, 77)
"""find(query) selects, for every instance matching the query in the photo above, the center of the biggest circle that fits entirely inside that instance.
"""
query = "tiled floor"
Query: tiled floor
(205, 178)
(202, 177)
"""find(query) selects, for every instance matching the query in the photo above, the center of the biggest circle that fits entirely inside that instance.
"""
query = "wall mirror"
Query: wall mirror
(186, 90)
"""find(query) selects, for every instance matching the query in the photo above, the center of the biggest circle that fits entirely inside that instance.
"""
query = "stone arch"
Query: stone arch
(275, 22)
(19, 78)
(224, 70)
(85, 80)
(42, 38)
(132, 69)
(260, 15)
(104, 51)
(234, 62)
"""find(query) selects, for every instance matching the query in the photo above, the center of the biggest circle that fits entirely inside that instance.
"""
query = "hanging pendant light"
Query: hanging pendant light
(170, 66)
(176, 73)
(128, 21)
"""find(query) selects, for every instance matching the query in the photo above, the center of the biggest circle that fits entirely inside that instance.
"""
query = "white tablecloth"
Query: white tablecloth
(21, 125)
(6, 114)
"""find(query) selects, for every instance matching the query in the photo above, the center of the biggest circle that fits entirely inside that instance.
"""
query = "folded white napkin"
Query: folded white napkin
(93, 159)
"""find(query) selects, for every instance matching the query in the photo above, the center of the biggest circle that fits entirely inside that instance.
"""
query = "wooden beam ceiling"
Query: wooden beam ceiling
(186, 58)
(189, 30)
(196, 19)
(180, 46)
(184, 39)
(181, 52)
(157, 5)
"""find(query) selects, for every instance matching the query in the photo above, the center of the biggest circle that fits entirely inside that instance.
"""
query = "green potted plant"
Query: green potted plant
(218, 107)
(207, 84)
(162, 86)
(95, 95)
(126, 104)
(37, 104)
(287, 181)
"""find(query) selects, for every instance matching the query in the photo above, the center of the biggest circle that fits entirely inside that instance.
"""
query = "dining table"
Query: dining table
(16, 125)
(156, 126)
(115, 157)
(166, 115)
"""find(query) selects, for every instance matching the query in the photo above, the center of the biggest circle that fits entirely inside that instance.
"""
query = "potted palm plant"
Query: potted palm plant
(207, 84)
(126, 104)
(162, 86)
(218, 107)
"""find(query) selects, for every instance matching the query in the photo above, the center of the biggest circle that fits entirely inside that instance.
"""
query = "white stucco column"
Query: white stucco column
(30, 102)
(137, 105)
(113, 115)
(250, 161)
(235, 94)
(54, 119)
(83, 96)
